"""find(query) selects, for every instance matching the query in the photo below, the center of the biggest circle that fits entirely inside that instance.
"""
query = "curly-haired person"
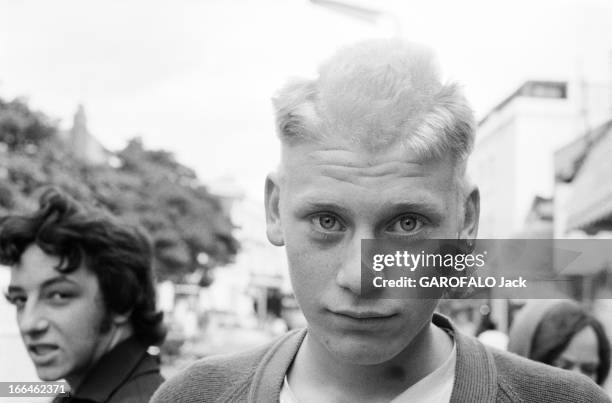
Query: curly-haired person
(83, 287)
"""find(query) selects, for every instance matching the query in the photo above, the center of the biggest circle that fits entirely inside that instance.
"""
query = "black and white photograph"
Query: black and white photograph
(301, 201)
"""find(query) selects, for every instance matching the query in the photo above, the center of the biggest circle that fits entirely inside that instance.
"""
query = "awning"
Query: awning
(590, 207)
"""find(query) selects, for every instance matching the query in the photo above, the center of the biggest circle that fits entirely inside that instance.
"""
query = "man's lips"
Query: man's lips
(362, 315)
(42, 352)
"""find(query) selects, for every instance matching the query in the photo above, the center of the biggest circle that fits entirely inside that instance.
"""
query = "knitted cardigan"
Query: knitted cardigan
(481, 375)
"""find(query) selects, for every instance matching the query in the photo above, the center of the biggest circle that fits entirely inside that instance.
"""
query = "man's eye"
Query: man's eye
(406, 224)
(57, 296)
(17, 300)
(327, 222)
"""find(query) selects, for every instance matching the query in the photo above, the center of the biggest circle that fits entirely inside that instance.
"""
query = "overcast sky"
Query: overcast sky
(196, 77)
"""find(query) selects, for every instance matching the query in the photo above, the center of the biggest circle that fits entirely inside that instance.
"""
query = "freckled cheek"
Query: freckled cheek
(312, 273)
(312, 261)
(452, 222)
(448, 229)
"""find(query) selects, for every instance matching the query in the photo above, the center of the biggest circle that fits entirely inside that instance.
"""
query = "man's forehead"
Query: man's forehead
(36, 266)
(47, 279)
(34, 254)
(384, 183)
(341, 160)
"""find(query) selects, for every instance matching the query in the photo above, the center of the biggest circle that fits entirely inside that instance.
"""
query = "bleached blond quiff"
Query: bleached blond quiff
(377, 94)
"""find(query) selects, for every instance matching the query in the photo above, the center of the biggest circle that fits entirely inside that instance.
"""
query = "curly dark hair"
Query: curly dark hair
(120, 255)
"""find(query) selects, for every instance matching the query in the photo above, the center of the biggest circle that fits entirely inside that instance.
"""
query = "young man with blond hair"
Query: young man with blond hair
(374, 148)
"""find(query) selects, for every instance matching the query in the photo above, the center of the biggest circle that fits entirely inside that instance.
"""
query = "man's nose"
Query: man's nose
(349, 275)
(32, 320)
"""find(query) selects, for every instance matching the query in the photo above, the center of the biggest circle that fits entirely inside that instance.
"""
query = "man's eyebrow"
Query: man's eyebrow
(56, 280)
(425, 206)
(312, 204)
(13, 288)
(47, 283)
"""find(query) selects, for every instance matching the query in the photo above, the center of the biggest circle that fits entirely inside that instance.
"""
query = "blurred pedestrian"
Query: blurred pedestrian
(489, 334)
(563, 334)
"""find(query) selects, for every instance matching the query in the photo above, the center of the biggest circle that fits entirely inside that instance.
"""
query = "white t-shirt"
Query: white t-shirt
(436, 387)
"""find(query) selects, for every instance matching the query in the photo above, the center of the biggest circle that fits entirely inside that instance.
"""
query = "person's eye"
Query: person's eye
(17, 300)
(326, 222)
(58, 296)
(406, 224)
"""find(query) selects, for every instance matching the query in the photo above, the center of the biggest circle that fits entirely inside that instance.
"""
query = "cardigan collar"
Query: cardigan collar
(475, 371)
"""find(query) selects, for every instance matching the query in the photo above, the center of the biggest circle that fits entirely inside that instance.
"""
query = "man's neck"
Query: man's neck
(317, 375)
(112, 339)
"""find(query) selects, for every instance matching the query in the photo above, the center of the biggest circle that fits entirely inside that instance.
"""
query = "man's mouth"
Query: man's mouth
(363, 315)
(42, 352)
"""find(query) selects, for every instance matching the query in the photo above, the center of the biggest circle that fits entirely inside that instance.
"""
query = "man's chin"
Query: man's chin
(50, 374)
(356, 352)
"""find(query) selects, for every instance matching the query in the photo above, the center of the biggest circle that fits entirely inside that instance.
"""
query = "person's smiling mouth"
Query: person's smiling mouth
(42, 353)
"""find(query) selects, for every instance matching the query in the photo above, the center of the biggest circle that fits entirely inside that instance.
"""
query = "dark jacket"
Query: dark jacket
(126, 374)
(481, 375)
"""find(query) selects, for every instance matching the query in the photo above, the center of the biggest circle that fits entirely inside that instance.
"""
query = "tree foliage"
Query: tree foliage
(21, 128)
(145, 187)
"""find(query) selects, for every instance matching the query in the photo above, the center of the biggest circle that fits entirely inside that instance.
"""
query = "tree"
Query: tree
(21, 128)
(165, 197)
(146, 187)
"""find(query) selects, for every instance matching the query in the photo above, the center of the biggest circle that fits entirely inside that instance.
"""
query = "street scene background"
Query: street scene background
(161, 113)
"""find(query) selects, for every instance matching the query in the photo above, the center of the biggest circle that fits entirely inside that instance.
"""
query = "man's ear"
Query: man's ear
(471, 217)
(274, 229)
